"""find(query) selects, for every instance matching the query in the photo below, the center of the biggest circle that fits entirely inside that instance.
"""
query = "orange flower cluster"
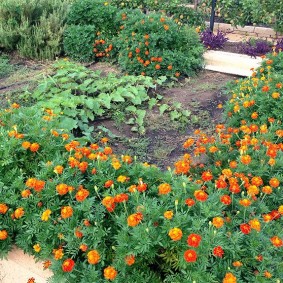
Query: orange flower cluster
(37, 185)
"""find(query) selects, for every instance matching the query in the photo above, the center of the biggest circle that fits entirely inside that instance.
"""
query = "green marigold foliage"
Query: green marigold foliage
(155, 45)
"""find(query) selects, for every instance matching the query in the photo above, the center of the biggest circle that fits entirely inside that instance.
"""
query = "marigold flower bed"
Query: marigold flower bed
(97, 217)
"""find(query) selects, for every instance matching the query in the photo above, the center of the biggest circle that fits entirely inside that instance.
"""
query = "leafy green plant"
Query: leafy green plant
(83, 95)
(154, 45)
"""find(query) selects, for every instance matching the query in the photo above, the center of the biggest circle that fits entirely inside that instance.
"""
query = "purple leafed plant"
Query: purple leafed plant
(255, 47)
(213, 41)
(279, 45)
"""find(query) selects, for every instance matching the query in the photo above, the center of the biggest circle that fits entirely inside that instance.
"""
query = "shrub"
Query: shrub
(213, 41)
(255, 47)
(154, 45)
(78, 42)
(34, 28)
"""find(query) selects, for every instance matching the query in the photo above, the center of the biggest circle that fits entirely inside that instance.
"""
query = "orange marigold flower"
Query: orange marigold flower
(267, 274)
(3, 235)
(200, 195)
(58, 169)
(190, 256)
(134, 219)
(188, 143)
(141, 187)
(245, 228)
(245, 202)
(246, 159)
(254, 115)
(26, 144)
(255, 224)
(108, 184)
(127, 159)
(274, 182)
(265, 88)
(83, 247)
(39, 185)
(26, 193)
(130, 260)
(267, 190)
(83, 166)
(218, 251)
(110, 273)
(66, 212)
(34, 147)
(19, 212)
(164, 189)
(182, 166)
(68, 265)
(233, 164)
(218, 222)
(109, 203)
(229, 278)
(275, 95)
(93, 257)
(3, 208)
(237, 264)
(257, 181)
(82, 194)
(168, 214)
(194, 240)
(190, 202)
(62, 189)
(175, 234)
(45, 215)
(207, 176)
(225, 199)
(252, 190)
(276, 241)
(46, 264)
(58, 253)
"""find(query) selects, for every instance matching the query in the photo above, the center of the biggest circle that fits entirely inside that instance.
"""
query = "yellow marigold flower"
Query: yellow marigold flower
(255, 224)
(168, 214)
(58, 253)
(229, 278)
(37, 248)
(19, 212)
(122, 179)
(45, 215)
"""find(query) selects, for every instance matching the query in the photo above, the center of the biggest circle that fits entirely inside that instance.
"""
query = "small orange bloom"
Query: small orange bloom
(164, 189)
(82, 194)
(246, 159)
(130, 260)
(58, 253)
(19, 212)
(190, 256)
(200, 195)
(274, 182)
(68, 265)
(26, 144)
(134, 219)
(276, 241)
(229, 278)
(3, 208)
(93, 257)
(62, 189)
(3, 235)
(175, 234)
(34, 147)
(194, 240)
(237, 264)
(218, 222)
(168, 214)
(66, 212)
(58, 169)
(110, 273)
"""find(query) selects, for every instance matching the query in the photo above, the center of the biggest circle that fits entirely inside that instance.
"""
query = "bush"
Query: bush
(78, 42)
(213, 41)
(255, 47)
(34, 28)
(154, 45)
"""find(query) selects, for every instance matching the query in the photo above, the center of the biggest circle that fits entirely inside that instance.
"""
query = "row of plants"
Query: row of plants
(94, 216)
(248, 12)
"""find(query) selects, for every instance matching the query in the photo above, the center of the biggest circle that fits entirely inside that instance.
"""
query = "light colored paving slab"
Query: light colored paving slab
(19, 267)
(230, 63)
